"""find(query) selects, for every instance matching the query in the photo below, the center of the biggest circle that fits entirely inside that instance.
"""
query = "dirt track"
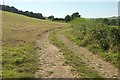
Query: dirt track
(93, 61)
(51, 60)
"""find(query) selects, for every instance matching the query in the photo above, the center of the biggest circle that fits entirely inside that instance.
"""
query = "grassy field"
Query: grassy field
(100, 39)
(79, 68)
(19, 51)
(19, 44)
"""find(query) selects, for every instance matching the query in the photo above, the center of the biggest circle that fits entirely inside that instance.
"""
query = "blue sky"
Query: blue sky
(86, 8)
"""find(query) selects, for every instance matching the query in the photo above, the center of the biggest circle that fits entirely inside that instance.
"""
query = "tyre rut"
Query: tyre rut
(51, 60)
(93, 61)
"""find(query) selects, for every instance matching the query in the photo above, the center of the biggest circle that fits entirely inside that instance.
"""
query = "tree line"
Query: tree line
(26, 13)
(38, 15)
(73, 16)
(67, 17)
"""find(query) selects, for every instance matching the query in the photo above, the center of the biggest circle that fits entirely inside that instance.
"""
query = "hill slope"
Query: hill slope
(19, 43)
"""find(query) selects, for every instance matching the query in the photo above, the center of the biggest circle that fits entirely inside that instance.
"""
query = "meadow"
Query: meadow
(19, 54)
(19, 47)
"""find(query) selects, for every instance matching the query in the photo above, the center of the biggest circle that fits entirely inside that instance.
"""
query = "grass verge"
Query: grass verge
(72, 59)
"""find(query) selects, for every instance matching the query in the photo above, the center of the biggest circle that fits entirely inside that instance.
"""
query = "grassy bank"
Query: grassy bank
(100, 39)
(72, 59)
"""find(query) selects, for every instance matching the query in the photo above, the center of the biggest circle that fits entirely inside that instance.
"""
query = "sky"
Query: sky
(61, 8)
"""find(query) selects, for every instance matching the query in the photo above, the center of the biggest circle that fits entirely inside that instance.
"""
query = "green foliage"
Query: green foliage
(59, 20)
(51, 17)
(27, 13)
(67, 18)
(110, 21)
(107, 37)
(75, 15)
(98, 37)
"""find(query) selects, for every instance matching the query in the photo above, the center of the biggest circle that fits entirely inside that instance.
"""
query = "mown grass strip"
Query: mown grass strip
(72, 59)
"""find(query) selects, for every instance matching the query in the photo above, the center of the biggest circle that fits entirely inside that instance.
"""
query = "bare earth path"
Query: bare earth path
(103, 68)
(51, 60)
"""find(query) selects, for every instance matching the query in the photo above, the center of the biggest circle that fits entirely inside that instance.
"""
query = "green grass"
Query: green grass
(73, 59)
(18, 62)
(19, 54)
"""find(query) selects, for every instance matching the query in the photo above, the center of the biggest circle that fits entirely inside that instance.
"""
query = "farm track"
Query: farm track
(104, 68)
(51, 60)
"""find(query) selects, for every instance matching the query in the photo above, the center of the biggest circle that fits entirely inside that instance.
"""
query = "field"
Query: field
(35, 48)
(19, 44)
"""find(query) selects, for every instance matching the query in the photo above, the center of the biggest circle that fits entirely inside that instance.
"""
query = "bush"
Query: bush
(100, 38)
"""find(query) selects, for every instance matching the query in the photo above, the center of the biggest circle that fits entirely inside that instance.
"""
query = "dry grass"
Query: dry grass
(19, 43)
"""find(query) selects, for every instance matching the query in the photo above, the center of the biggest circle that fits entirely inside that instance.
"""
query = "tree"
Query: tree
(51, 17)
(60, 19)
(27, 13)
(20, 12)
(106, 21)
(67, 18)
(75, 15)
(113, 22)
(14, 10)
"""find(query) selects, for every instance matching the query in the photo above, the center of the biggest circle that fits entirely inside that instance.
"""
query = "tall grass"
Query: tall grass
(99, 38)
